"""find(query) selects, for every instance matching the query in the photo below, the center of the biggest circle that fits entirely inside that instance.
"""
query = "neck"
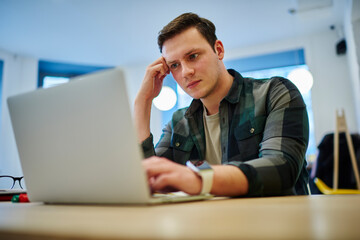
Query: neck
(212, 101)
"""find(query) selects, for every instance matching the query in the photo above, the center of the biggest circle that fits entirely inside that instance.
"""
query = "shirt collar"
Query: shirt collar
(233, 95)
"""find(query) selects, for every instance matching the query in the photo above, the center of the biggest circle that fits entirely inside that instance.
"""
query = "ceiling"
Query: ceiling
(124, 32)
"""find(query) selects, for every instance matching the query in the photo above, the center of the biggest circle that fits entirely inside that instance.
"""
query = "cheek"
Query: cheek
(201, 65)
(176, 76)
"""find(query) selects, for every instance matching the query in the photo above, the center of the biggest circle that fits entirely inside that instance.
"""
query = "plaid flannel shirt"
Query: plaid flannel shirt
(264, 131)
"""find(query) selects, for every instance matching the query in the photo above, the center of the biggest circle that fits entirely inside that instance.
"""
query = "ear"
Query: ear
(219, 49)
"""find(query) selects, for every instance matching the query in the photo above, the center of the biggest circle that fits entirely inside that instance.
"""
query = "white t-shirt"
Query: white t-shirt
(212, 138)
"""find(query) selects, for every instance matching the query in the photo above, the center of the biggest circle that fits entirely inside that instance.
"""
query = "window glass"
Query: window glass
(51, 81)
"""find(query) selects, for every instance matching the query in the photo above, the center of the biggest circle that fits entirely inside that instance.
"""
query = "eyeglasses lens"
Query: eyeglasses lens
(6, 182)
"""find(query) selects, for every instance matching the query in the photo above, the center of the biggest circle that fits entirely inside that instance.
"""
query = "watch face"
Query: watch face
(205, 165)
(197, 163)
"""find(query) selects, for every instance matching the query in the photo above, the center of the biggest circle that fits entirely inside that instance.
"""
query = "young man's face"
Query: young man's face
(193, 63)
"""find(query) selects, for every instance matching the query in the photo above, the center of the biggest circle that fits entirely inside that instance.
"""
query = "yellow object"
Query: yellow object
(327, 190)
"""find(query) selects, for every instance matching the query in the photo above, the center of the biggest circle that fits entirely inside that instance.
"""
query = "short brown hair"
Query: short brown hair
(185, 21)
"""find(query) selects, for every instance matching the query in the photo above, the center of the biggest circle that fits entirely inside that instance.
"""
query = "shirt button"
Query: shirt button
(177, 144)
(252, 130)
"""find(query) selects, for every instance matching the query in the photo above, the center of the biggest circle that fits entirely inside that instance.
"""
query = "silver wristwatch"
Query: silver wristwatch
(205, 172)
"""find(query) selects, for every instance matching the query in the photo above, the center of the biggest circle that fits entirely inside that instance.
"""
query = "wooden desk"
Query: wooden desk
(302, 217)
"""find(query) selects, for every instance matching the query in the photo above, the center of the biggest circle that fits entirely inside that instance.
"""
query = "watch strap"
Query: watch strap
(207, 180)
(206, 173)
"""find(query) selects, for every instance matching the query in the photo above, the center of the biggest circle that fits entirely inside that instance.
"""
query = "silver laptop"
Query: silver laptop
(77, 143)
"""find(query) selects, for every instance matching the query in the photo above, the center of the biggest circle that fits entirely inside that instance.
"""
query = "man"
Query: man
(254, 133)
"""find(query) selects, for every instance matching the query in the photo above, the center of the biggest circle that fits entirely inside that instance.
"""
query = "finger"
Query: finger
(155, 166)
(156, 70)
(161, 61)
(163, 173)
(175, 182)
(165, 181)
(166, 67)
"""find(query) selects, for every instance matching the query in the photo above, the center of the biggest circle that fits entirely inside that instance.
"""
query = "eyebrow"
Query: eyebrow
(186, 54)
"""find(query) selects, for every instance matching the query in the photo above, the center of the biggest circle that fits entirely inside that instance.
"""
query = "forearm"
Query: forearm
(142, 112)
(229, 181)
(150, 88)
(275, 172)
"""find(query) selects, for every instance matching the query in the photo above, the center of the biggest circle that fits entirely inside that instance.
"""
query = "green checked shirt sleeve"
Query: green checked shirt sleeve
(275, 120)
(264, 132)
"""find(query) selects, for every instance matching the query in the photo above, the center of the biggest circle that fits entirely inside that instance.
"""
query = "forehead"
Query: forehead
(179, 45)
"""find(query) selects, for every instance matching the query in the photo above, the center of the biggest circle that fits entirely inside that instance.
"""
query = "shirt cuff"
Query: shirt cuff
(255, 185)
(148, 146)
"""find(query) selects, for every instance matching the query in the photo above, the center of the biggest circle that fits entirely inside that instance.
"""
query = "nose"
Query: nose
(187, 70)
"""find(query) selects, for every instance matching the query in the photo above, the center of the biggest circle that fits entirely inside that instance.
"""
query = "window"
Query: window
(52, 81)
(55, 73)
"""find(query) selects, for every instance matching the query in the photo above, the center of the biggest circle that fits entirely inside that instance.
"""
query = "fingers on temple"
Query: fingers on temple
(166, 67)
(161, 62)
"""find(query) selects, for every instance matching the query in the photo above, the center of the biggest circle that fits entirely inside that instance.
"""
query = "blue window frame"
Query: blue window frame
(59, 72)
(267, 61)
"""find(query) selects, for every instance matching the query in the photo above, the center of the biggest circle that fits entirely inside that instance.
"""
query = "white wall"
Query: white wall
(352, 35)
(19, 75)
(332, 85)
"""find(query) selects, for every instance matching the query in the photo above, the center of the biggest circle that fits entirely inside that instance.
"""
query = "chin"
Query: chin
(195, 96)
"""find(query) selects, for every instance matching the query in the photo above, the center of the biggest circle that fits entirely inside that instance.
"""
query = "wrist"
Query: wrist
(205, 173)
(196, 183)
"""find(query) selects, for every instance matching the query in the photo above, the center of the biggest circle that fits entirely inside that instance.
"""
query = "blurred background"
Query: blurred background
(314, 43)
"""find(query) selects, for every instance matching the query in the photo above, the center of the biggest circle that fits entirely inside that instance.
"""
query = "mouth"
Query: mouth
(193, 84)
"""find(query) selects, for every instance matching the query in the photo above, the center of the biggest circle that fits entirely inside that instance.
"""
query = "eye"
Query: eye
(193, 56)
(174, 65)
